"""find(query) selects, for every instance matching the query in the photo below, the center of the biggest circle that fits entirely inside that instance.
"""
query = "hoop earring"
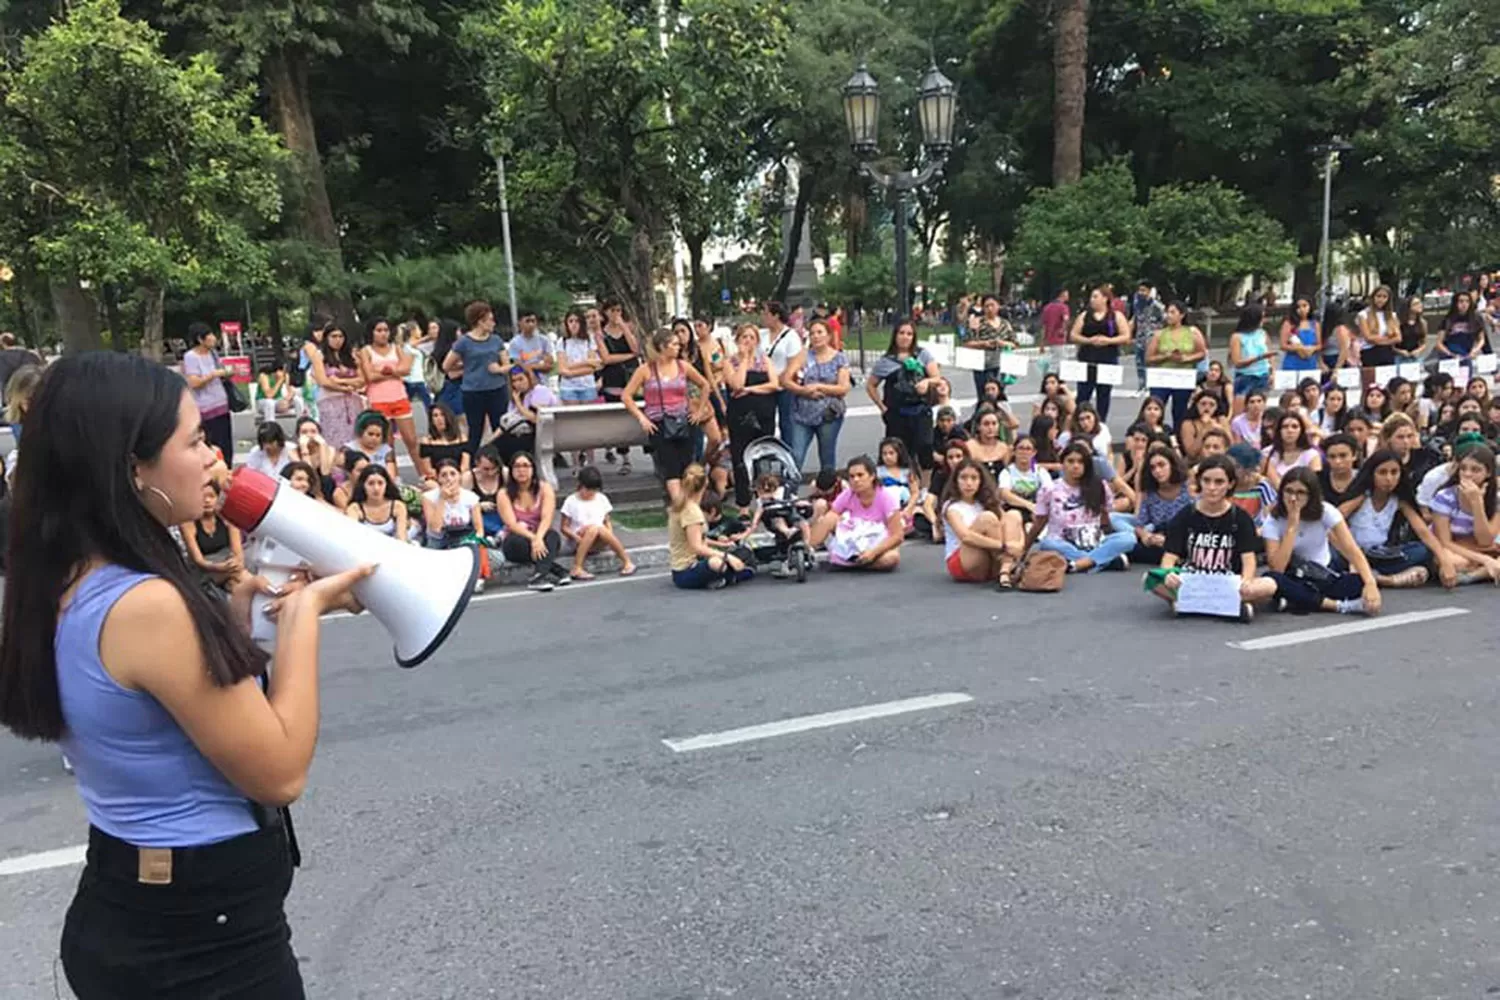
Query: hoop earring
(164, 498)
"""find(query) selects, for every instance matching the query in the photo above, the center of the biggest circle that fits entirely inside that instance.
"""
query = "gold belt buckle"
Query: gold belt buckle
(155, 866)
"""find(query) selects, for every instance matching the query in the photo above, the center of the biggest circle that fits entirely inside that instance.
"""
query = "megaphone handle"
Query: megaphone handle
(263, 629)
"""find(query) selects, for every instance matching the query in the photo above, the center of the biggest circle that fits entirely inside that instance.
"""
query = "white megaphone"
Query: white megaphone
(418, 594)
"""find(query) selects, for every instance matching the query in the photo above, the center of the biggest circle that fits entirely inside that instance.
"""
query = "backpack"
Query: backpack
(1042, 573)
(901, 392)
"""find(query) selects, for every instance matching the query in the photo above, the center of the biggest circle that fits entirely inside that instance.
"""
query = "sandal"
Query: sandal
(625, 467)
(582, 574)
(1005, 582)
(1414, 577)
(628, 569)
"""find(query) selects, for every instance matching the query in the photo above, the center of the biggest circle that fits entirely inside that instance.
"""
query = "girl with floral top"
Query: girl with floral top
(1073, 517)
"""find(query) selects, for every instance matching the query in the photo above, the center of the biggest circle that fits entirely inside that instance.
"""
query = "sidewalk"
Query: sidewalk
(647, 548)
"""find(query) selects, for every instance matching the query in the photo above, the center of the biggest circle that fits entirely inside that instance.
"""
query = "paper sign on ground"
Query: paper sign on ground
(1073, 371)
(1486, 364)
(968, 359)
(1216, 594)
(1451, 366)
(1171, 378)
(1347, 378)
(1109, 374)
(1015, 364)
(1410, 370)
(1384, 374)
(1284, 379)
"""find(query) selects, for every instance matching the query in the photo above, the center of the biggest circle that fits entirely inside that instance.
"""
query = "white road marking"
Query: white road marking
(803, 723)
(511, 593)
(60, 858)
(1346, 628)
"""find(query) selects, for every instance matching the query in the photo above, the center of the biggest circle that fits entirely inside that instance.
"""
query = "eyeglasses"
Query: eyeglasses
(1294, 492)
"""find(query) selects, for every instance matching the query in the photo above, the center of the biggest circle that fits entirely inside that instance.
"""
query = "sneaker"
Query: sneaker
(718, 583)
(1281, 605)
(559, 576)
(1072, 567)
(1120, 564)
(1247, 612)
(1353, 606)
(540, 583)
(479, 585)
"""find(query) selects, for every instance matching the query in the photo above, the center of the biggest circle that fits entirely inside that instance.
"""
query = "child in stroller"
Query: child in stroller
(779, 510)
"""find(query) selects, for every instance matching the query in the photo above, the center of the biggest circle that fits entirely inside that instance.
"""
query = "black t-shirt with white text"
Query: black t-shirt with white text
(1212, 544)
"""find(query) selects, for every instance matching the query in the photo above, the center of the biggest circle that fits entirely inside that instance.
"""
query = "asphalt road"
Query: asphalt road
(1127, 807)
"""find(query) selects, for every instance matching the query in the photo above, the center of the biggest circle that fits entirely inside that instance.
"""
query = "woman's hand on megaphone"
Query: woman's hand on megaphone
(329, 593)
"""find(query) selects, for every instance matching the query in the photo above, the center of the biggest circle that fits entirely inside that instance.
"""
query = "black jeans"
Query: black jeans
(491, 403)
(1097, 393)
(517, 549)
(915, 431)
(1303, 596)
(220, 433)
(218, 930)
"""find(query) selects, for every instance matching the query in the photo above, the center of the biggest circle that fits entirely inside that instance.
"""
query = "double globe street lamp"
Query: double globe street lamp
(937, 105)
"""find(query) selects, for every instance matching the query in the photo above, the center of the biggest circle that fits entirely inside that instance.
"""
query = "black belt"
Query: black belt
(167, 865)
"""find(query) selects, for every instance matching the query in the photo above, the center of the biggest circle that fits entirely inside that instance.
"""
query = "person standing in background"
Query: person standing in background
(1055, 319)
(12, 359)
(782, 343)
(205, 372)
(1148, 316)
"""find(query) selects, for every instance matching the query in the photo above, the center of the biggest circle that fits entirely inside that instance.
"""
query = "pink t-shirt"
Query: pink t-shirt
(849, 506)
(1055, 317)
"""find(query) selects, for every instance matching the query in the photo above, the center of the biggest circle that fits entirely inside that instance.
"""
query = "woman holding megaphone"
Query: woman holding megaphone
(185, 756)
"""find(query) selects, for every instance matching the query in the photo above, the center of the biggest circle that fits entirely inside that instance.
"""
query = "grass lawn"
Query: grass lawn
(646, 519)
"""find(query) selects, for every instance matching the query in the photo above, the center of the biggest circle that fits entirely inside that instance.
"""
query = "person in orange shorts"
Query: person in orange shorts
(385, 367)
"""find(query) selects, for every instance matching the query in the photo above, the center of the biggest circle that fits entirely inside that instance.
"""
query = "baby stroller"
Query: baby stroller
(784, 515)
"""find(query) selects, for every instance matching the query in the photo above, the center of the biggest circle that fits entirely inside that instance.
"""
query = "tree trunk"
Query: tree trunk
(312, 212)
(77, 316)
(112, 315)
(642, 280)
(153, 325)
(1070, 67)
(273, 329)
(698, 297)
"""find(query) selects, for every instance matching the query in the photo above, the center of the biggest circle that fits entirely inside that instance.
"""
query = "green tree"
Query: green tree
(122, 168)
(279, 42)
(1205, 235)
(1087, 233)
(608, 114)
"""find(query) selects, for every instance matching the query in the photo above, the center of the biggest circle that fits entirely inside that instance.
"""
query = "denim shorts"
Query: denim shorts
(1248, 383)
(589, 395)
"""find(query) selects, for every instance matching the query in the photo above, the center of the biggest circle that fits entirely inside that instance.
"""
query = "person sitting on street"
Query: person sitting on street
(863, 528)
(1301, 537)
(587, 525)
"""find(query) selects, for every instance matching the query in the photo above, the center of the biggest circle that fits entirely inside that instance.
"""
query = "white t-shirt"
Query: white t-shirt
(781, 347)
(454, 513)
(1436, 478)
(1372, 527)
(576, 350)
(261, 462)
(588, 513)
(1312, 536)
(967, 513)
(1101, 442)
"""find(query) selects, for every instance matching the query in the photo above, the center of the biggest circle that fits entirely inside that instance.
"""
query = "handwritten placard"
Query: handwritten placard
(1347, 378)
(1109, 374)
(1451, 366)
(968, 359)
(1410, 370)
(1073, 371)
(941, 353)
(1015, 364)
(1284, 379)
(1486, 364)
(1171, 378)
(1384, 373)
(1215, 594)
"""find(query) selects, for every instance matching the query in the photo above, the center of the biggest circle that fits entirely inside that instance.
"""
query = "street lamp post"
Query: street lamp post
(510, 260)
(937, 104)
(1328, 150)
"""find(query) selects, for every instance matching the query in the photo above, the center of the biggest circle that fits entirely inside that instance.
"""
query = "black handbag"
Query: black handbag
(670, 428)
(1310, 572)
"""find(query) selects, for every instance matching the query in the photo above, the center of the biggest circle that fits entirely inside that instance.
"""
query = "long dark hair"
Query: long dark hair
(513, 488)
(1364, 482)
(94, 418)
(1482, 454)
(987, 497)
(1046, 448)
(447, 335)
(342, 357)
(1090, 487)
(892, 350)
(1308, 478)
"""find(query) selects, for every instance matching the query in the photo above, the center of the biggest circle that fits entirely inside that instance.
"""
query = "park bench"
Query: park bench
(563, 430)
